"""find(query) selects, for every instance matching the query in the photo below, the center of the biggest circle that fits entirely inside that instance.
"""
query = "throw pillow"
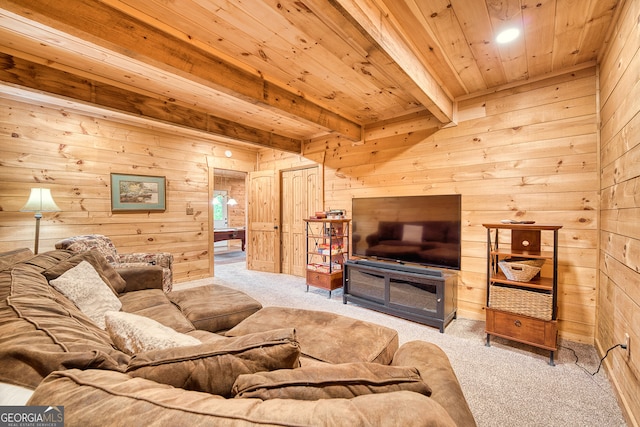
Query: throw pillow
(345, 381)
(214, 366)
(412, 233)
(83, 285)
(98, 261)
(133, 334)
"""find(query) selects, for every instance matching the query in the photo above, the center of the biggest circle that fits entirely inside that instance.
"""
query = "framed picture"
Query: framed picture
(130, 193)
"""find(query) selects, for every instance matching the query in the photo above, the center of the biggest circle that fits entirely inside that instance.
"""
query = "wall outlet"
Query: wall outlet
(626, 342)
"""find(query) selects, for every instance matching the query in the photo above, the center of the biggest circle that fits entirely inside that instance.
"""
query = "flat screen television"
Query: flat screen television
(423, 230)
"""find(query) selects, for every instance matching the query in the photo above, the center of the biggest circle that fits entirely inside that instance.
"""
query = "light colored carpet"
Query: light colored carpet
(230, 257)
(506, 384)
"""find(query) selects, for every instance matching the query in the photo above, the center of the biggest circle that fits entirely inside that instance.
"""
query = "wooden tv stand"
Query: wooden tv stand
(419, 294)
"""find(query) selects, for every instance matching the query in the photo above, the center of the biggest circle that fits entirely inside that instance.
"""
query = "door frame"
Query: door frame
(214, 163)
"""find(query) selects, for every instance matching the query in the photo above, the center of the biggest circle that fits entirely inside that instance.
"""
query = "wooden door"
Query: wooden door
(263, 219)
(301, 197)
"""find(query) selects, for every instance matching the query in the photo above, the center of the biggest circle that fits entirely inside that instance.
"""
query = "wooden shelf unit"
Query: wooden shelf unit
(517, 317)
(327, 248)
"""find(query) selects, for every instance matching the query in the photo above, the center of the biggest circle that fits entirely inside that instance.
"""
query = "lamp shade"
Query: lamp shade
(232, 202)
(40, 200)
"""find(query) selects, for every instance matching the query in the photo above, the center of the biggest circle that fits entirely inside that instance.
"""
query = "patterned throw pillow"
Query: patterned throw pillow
(98, 261)
(134, 334)
(83, 285)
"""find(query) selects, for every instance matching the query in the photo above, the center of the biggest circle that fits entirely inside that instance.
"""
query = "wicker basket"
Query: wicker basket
(520, 271)
(520, 301)
(531, 262)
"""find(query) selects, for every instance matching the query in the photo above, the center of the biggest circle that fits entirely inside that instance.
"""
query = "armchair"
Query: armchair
(106, 247)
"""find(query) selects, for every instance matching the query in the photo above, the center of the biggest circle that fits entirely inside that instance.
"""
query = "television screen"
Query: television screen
(423, 230)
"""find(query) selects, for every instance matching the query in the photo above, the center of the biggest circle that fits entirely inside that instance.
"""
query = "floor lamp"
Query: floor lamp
(40, 200)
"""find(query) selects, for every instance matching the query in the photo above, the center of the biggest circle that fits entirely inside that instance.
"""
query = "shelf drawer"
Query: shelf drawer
(525, 329)
(324, 280)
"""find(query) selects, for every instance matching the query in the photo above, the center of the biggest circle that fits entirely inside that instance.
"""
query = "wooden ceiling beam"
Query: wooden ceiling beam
(117, 31)
(32, 75)
(407, 15)
(380, 28)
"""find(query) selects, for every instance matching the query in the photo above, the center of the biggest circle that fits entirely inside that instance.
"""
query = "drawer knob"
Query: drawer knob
(517, 323)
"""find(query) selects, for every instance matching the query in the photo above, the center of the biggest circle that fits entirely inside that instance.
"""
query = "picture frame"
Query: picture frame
(138, 193)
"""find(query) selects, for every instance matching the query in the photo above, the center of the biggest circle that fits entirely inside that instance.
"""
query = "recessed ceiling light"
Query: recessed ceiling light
(508, 35)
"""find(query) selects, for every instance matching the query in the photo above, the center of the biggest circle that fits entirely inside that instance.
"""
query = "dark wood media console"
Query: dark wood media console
(423, 295)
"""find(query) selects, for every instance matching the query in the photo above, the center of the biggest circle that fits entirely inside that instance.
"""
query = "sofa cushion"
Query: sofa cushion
(324, 336)
(119, 397)
(214, 307)
(83, 285)
(345, 380)
(136, 334)
(10, 258)
(45, 260)
(98, 261)
(435, 232)
(154, 304)
(140, 278)
(42, 331)
(44, 339)
(434, 367)
(213, 367)
(206, 336)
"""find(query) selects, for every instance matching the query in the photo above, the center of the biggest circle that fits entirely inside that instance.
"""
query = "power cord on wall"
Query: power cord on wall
(622, 346)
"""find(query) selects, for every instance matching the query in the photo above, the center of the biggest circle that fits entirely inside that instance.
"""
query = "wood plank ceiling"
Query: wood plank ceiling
(278, 72)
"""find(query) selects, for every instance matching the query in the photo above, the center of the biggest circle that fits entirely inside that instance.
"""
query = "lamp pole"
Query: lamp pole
(38, 217)
(40, 200)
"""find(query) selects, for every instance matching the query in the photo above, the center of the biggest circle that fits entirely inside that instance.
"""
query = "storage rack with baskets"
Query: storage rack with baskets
(521, 301)
(327, 249)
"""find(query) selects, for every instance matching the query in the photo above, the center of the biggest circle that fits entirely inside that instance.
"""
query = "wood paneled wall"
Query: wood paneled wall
(619, 293)
(73, 155)
(527, 152)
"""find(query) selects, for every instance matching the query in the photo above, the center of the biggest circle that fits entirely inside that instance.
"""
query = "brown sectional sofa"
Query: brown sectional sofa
(254, 366)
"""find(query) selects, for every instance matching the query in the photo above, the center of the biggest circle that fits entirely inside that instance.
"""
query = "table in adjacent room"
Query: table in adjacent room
(221, 234)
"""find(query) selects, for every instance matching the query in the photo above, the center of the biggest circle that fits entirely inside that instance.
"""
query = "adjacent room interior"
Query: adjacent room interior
(229, 215)
(211, 130)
